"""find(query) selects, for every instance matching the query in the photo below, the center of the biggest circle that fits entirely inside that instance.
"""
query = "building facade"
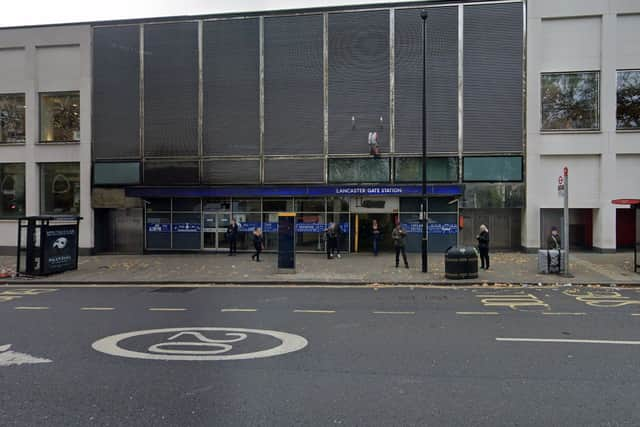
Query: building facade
(45, 127)
(158, 132)
(583, 112)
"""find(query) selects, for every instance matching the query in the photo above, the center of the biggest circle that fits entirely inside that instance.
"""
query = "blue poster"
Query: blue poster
(435, 228)
(269, 227)
(248, 226)
(186, 227)
(158, 228)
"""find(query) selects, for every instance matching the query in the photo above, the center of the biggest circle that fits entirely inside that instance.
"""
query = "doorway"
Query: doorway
(215, 228)
(362, 237)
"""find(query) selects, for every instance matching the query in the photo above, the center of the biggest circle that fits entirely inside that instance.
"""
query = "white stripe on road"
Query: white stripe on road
(548, 340)
(242, 310)
(32, 308)
(97, 308)
(635, 314)
(562, 314)
(167, 309)
(480, 313)
(394, 312)
(315, 311)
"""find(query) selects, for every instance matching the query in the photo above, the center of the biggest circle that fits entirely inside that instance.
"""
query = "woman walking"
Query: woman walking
(483, 246)
(375, 231)
(258, 243)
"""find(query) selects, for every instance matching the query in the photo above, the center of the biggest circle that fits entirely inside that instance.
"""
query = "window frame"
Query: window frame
(598, 129)
(93, 173)
(396, 160)
(24, 107)
(24, 195)
(522, 171)
(41, 195)
(41, 95)
(333, 159)
(625, 129)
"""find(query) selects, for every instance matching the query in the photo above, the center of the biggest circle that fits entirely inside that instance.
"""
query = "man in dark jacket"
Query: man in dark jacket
(232, 237)
(483, 246)
(553, 242)
(398, 235)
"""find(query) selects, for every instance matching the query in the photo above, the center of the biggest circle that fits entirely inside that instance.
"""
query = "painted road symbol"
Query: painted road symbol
(201, 343)
(514, 301)
(12, 294)
(601, 299)
(9, 357)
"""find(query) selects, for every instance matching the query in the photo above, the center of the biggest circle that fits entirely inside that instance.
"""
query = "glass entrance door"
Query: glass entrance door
(214, 230)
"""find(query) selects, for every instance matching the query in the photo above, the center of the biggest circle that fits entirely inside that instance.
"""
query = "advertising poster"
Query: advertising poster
(60, 248)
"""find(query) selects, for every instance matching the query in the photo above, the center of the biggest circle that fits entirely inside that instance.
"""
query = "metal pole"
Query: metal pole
(565, 236)
(425, 260)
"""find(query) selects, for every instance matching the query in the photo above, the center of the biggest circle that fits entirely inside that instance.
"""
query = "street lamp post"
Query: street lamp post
(425, 260)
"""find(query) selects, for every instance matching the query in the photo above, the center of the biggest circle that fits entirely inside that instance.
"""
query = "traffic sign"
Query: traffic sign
(560, 183)
(566, 171)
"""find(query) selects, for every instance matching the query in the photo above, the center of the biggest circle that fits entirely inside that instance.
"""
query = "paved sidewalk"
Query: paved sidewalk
(506, 268)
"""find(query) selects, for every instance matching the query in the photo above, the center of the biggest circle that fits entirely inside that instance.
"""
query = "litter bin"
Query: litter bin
(47, 244)
(461, 263)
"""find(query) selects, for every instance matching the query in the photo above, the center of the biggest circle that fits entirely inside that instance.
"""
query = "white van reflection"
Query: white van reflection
(202, 345)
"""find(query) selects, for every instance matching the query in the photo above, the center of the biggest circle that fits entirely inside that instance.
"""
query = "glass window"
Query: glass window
(439, 169)
(186, 204)
(12, 190)
(358, 170)
(570, 101)
(60, 188)
(12, 117)
(216, 205)
(60, 117)
(158, 205)
(125, 173)
(251, 205)
(278, 205)
(337, 204)
(628, 108)
(501, 169)
(309, 205)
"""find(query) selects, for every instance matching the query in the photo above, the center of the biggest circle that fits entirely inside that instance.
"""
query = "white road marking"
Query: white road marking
(213, 348)
(97, 308)
(635, 314)
(167, 309)
(228, 310)
(549, 340)
(8, 357)
(32, 308)
(546, 313)
(394, 312)
(479, 313)
(315, 311)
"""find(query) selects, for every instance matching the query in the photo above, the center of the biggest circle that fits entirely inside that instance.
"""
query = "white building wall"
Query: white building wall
(581, 35)
(48, 59)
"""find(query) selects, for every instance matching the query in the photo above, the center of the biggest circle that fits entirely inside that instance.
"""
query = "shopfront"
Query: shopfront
(197, 219)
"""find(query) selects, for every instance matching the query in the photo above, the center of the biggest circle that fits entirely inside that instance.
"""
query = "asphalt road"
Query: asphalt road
(354, 356)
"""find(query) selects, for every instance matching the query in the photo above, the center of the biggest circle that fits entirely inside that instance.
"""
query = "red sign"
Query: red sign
(626, 202)
(566, 171)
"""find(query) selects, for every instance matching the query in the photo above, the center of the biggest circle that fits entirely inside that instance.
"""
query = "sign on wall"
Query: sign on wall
(60, 248)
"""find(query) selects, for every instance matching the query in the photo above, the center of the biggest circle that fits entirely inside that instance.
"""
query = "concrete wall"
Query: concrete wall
(34, 60)
(581, 35)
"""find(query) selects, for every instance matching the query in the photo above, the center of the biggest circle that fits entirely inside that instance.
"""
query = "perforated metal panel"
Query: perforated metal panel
(116, 95)
(293, 171)
(293, 85)
(493, 78)
(358, 80)
(442, 80)
(231, 81)
(230, 172)
(171, 89)
(171, 172)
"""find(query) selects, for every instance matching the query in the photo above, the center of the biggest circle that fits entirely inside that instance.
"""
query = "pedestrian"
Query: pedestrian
(375, 231)
(258, 243)
(337, 233)
(553, 242)
(398, 235)
(483, 246)
(330, 238)
(232, 237)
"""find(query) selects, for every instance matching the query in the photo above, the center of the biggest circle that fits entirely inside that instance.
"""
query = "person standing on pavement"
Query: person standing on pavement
(553, 242)
(483, 246)
(330, 237)
(232, 237)
(337, 232)
(258, 243)
(398, 235)
(375, 231)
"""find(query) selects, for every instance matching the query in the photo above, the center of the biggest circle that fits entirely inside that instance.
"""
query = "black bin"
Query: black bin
(461, 263)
